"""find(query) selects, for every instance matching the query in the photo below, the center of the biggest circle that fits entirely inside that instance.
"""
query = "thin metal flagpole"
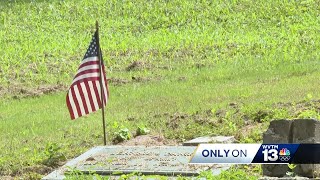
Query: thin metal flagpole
(101, 85)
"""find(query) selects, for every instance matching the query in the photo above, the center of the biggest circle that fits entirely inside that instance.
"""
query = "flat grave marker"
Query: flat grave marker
(153, 160)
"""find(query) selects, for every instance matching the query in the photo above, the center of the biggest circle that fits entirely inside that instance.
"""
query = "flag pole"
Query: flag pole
(101, 85)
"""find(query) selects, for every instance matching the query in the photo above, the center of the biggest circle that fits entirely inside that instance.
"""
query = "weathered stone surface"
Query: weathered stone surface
(279, 132)
(276, 170)
(207, 139)
(306, 131)
(153, 160)
(292, 131)
(307, 170)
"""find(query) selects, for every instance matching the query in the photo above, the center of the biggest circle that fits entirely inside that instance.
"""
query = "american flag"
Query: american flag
(84, 95)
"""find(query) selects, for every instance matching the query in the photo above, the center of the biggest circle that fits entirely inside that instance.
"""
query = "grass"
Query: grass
(32, 124)
(207, 68)
(45, 41)
(233, 173)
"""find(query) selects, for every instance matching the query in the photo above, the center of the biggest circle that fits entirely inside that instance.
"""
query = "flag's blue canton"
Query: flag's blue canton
(92, 51)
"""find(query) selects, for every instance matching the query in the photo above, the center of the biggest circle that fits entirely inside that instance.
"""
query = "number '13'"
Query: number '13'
(273, 155)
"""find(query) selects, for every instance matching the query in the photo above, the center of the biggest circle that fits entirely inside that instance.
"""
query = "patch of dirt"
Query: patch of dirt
(161, 115)
(51, 89)
(166, 67)
(182, 78)
(199, 65)
(295, 108)
(19, 91)
(246, 130)
(220, 113)
(141, 79)
(260, 115)
(205, 120)
(118, 81)
(90, 159)
(206, 117)
(139, 65)
(148, 140)
(234, 105)
(2, 91)
(131, 118)
(199, 117)
(175, 120)
(251, 132)
(6, 178)
(134, 79)
(40, 169)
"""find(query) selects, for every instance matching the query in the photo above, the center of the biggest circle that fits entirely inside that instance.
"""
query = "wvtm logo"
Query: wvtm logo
(271, 153)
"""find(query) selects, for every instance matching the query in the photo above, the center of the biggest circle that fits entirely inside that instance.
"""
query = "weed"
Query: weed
(53, 154)
(235, 173)
(32, 176)
(309, 113)
(291, 167)
(122, 135)
(142, 130)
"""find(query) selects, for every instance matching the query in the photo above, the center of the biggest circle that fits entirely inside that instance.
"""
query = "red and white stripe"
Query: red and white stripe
(84, 95)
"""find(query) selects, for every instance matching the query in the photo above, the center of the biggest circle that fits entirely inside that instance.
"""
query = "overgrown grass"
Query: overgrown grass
(44, 41)
(208, 68)
(34, 125)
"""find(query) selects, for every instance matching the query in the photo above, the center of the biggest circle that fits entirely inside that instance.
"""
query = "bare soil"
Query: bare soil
(139, 65)
(149, 140)
(18, 91)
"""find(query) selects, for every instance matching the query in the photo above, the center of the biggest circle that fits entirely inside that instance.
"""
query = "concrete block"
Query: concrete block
(306, 131)
(307, 170)
(279, 131)
(293, 131)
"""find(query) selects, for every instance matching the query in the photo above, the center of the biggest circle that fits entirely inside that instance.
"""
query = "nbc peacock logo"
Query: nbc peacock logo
(284, 154)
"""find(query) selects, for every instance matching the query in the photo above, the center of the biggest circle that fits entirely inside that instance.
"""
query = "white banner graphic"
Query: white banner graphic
(225, 153)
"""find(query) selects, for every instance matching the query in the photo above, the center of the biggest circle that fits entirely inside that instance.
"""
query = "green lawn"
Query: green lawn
(44, 41)
(206, 68)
